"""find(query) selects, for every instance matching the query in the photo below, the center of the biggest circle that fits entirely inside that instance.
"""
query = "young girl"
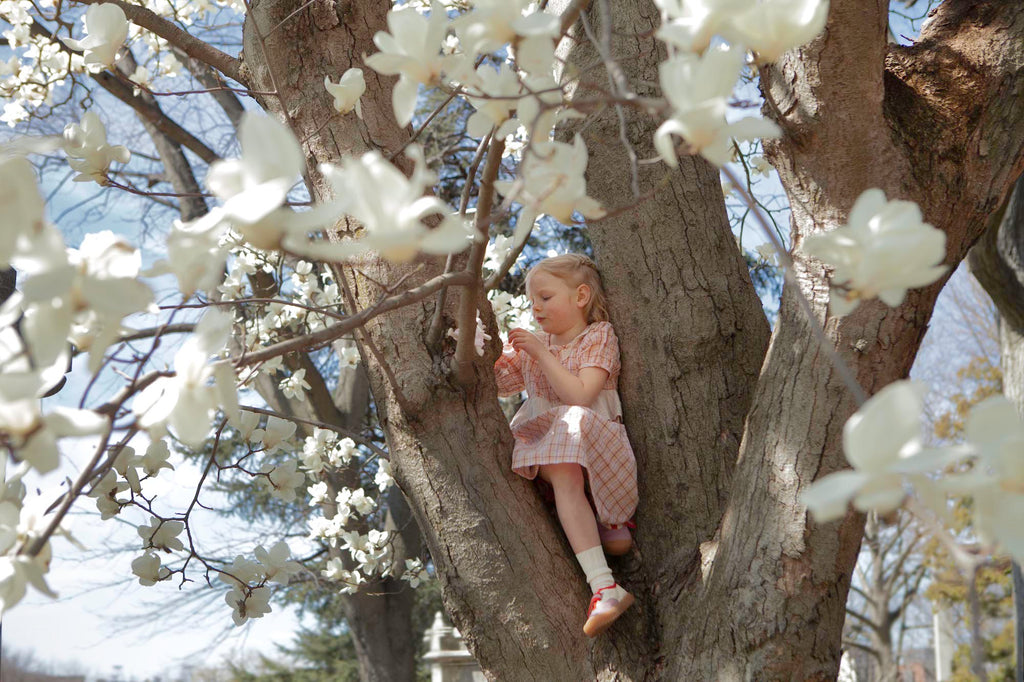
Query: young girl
(569, 431)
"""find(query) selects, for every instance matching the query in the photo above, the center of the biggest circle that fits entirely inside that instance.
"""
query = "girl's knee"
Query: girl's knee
(563, 476)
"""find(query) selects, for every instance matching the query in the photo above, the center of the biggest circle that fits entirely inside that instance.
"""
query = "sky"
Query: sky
(103, 618)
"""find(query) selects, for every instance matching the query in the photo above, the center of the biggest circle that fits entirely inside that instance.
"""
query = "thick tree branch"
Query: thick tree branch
(152, 114)
(226, 99)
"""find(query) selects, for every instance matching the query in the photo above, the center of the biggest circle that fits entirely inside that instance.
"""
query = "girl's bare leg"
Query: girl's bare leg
(574, 510)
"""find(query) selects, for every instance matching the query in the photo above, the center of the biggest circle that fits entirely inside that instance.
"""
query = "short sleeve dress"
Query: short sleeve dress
(547, 431)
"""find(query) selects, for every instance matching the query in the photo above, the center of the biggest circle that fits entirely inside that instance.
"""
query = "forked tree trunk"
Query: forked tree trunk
(858, 113)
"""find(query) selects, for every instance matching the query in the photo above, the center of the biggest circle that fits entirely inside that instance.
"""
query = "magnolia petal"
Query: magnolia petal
(883, 494)
(453, 235)
(403, 100)
(885, 427)
(990, 419)
(664, 143)
(828, 497)
(41, 451)
(66, 421)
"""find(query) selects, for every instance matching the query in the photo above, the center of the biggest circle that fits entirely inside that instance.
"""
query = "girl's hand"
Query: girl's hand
(527, 342)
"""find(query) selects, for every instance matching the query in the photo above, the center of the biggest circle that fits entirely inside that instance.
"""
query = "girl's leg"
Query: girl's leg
(574, 511)
(577, 518)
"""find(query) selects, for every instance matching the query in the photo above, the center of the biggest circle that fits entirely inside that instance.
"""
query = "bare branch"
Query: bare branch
(328, 334)
(465, 349)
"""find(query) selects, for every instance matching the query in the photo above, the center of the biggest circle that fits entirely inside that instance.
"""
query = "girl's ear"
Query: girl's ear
(583, 294)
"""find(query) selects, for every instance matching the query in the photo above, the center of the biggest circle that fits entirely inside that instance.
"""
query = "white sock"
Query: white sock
(595, 566)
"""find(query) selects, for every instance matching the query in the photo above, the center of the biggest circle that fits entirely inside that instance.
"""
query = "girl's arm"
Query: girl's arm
(507, 372)
(571, 389)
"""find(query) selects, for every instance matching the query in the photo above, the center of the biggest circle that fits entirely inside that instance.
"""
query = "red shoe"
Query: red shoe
(605, 608)
(616, 539)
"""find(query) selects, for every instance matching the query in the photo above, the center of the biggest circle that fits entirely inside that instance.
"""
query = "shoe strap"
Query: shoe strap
(597, 598)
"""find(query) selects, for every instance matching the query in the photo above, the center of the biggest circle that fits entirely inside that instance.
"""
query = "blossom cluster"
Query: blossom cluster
(884, 445)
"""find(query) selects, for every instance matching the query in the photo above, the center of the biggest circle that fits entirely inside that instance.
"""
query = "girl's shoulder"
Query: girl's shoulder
(597, 333)
(603, 328)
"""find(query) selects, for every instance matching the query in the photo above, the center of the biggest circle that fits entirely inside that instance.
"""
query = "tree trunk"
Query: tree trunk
(781, 585)
(857, 113)
(998, 263)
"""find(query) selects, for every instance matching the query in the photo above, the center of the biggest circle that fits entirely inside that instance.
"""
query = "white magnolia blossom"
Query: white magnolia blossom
(186, 401)
(995, 435)
(698, 89)
(141, 77)
(274, 435)
(347, 91)
(106, 29)
(480, 337)
(277, 566)
(163, 535)
(391, 208)
(316, 449)
(248, 603)
(774, 27)
(195, 256)
(494, 94)
(497, 250)
(148, 569)
(34, 435)
(883, 443)
(768, 27)
(16, 574)
(85, 143)
(883, 250)
(415, 572)
(511, 312)
(254, 187)
(383, 478)
(283, 479)
(318, 493)
(245, 422)
(553, 182)
(355, 500)
(349, 357)
(411, 51)
(690, 25)
(350, 579)
(91, 288)
(241, 571)
(295, 386)
(156, 457)
(342, 452)
(491, 24)
(126, 465)
(106, 491)
(20, 202)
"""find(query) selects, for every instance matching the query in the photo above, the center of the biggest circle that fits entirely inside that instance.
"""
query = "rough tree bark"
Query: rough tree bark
(938, 122)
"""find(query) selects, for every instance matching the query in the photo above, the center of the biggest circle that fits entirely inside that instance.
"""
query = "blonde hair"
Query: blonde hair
(576, 269)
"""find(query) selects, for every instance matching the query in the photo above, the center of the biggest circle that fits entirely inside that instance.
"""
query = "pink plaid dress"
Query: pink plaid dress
(549, 432)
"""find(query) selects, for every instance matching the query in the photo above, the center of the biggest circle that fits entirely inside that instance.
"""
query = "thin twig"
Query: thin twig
(434, 331)
(328, 334)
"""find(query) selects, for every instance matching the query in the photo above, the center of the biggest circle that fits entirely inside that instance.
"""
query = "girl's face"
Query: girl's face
(557, 306)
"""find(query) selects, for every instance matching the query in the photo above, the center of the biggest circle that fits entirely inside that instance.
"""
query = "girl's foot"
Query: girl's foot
(605, 607)
(615, 539)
